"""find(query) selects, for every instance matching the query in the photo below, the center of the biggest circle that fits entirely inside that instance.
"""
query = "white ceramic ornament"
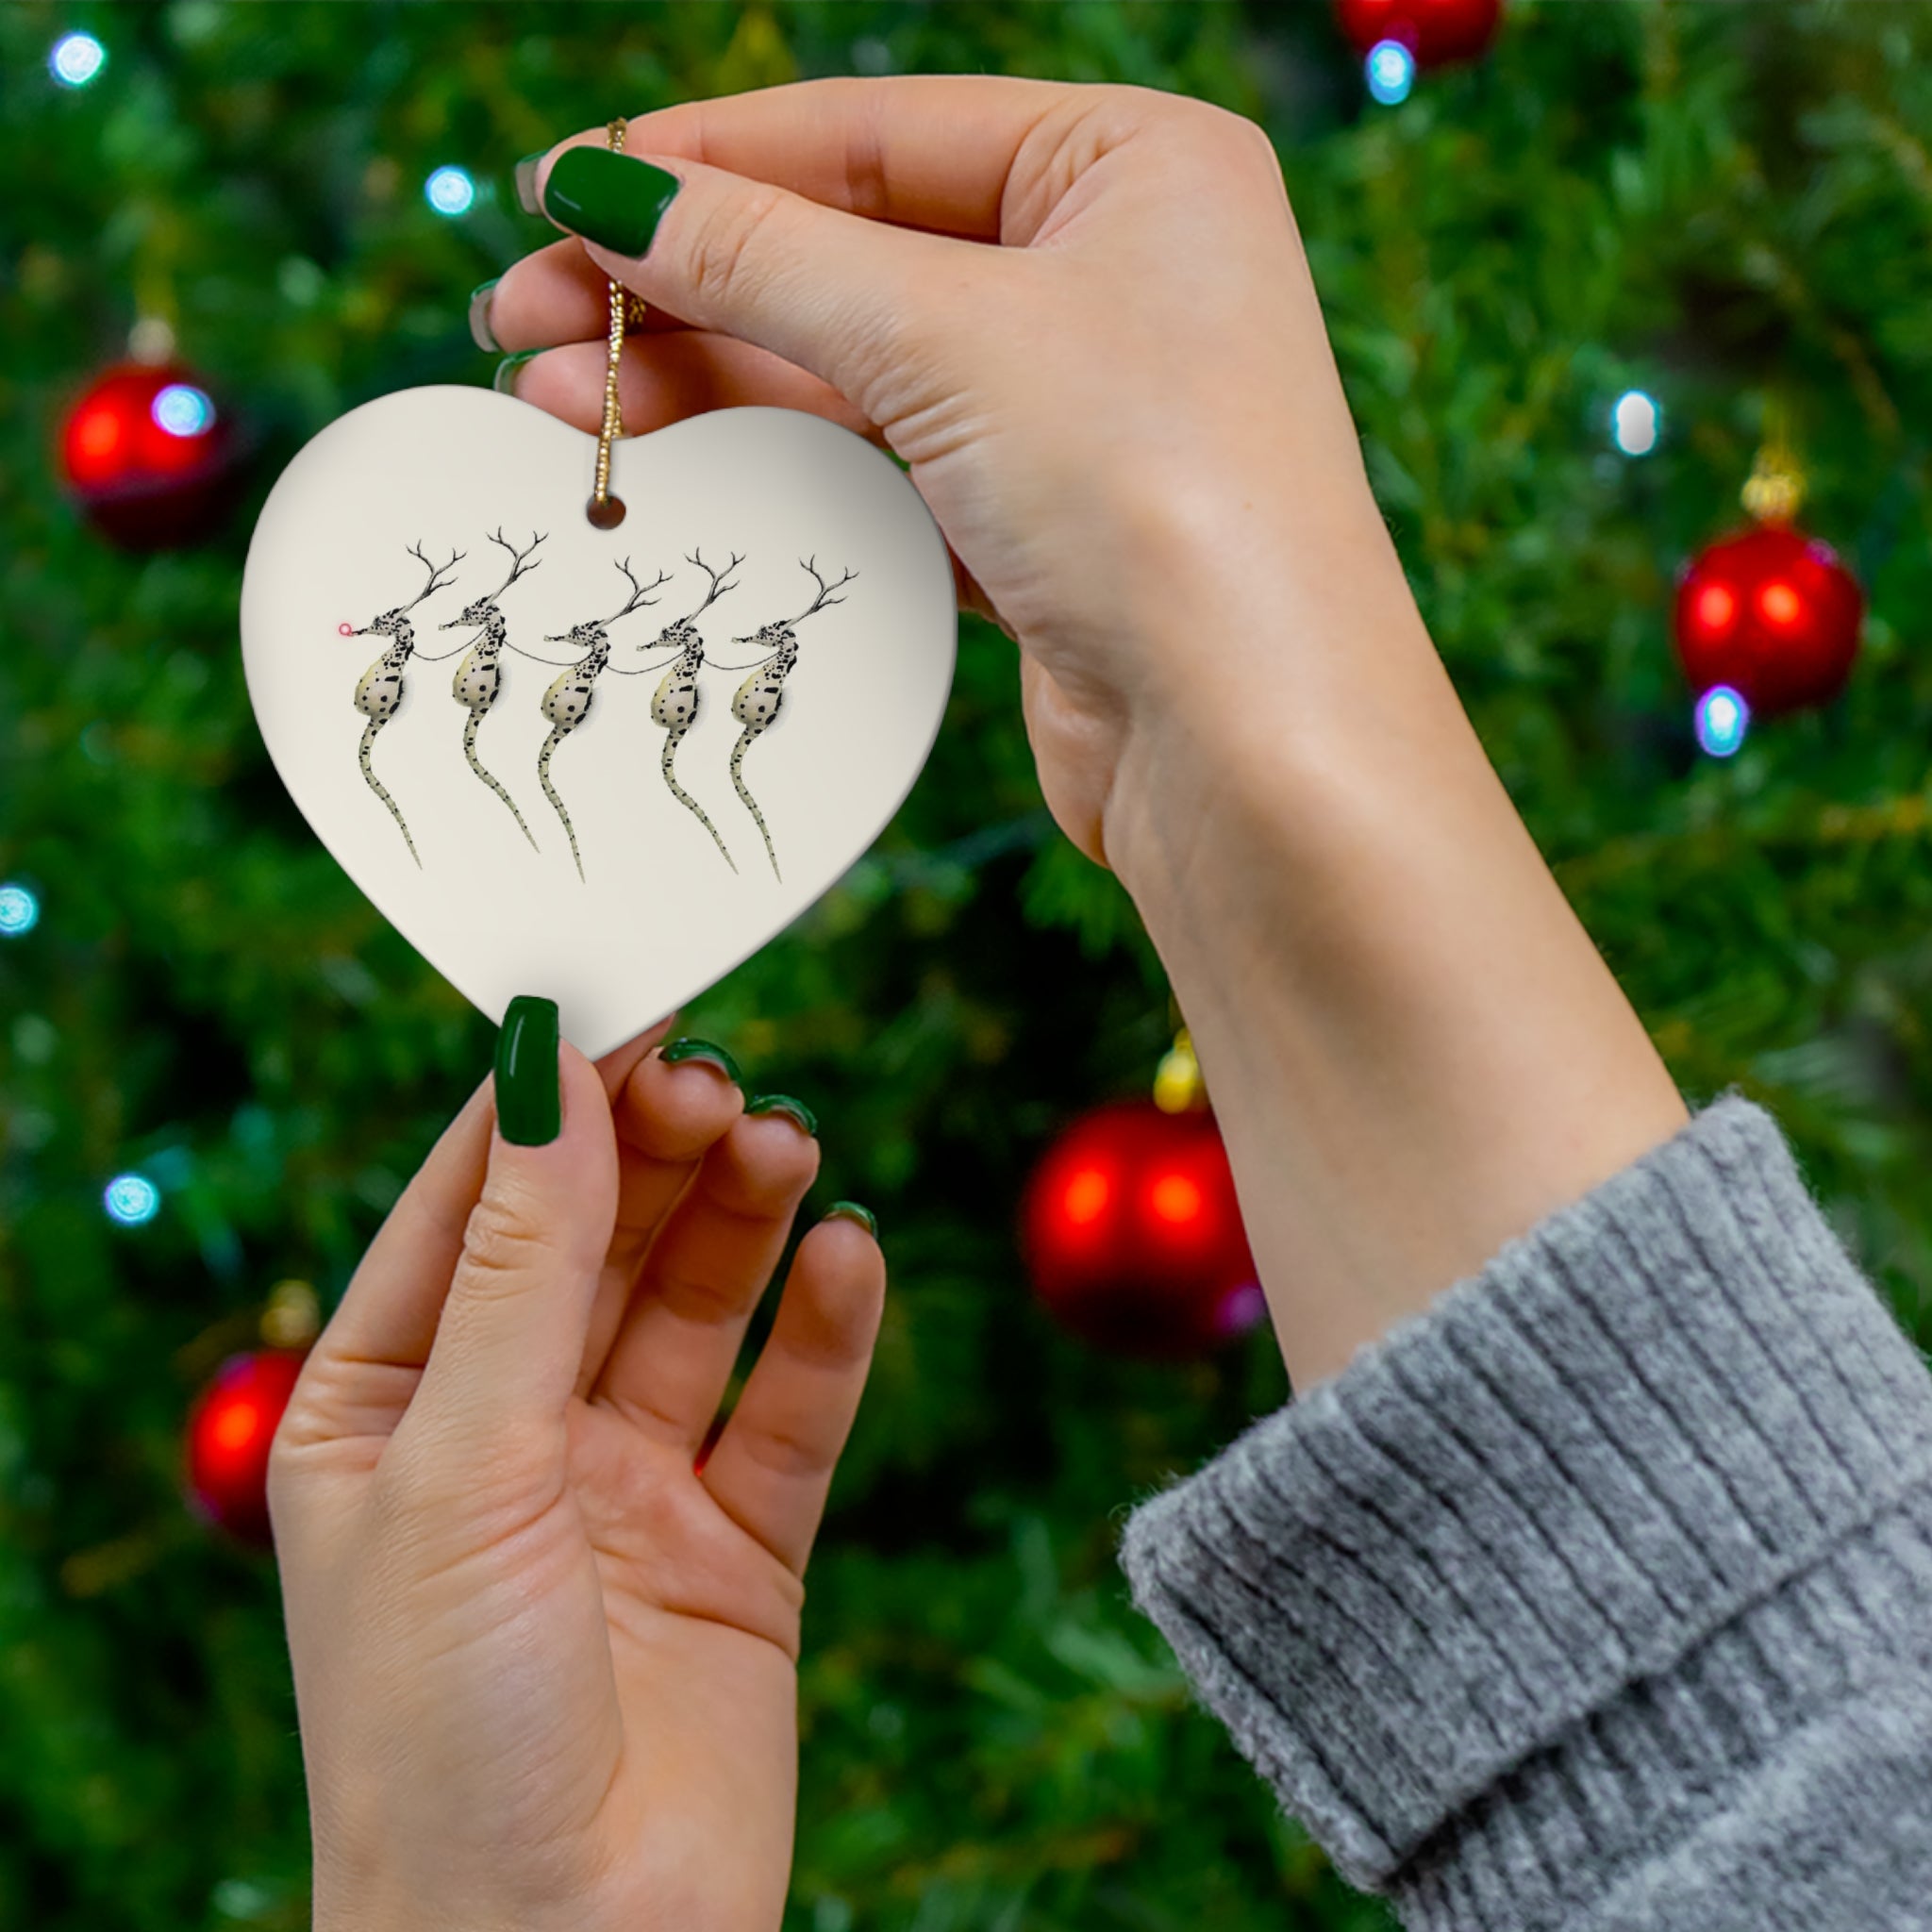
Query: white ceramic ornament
(741, 681)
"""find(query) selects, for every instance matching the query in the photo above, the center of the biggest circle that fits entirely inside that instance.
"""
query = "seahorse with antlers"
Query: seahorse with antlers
(674, 706)
(756, 701)
(478, 681)
(567, 703)
(379, 692)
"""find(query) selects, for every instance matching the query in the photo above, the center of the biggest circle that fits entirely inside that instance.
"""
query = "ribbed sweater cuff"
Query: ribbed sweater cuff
(1531, 1541)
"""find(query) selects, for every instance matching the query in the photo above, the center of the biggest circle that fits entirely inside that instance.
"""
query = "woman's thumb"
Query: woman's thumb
(510, 1340)
(830, 292)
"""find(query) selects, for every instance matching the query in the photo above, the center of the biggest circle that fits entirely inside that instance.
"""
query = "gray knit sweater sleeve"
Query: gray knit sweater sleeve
(1600, 1595)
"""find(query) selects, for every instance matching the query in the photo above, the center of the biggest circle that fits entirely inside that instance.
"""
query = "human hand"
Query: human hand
(544, 1669)
(1125, 417)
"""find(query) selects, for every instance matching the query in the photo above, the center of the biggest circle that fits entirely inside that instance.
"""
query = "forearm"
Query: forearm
(1414, 1050)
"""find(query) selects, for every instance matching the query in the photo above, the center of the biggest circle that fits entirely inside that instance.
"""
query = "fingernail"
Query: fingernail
(608, 198)
(529, 1100)
(680, 1050)
(526, 183)
(851, 1210)
(504, 381)
(793, 1109)
(480, 332)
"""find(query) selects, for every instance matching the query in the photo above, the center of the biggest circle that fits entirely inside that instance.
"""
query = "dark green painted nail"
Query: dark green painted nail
(525, 177)
(480, 332)
(608, 198)
(851, 1210)
(529, 1100)
(504, 381)
(680, 1050)
(793, 1109)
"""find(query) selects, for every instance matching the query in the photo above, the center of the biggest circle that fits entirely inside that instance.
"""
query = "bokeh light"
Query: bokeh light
(19, 912)
(450, 191)
(182, 410)
(77, 60)
(1175, 1199)
(1088, 1193)
(131, 1199)
(1390, 71)
(1723, 718)
(1636, 422)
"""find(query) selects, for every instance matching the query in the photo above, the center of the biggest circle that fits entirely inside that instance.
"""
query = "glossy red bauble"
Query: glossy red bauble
(229, 1431)
(1435, 31)
(1773, 614)
(149, 457)
(1133, 1237)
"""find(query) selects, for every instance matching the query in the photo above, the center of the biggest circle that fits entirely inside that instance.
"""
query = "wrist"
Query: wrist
(1284, 667)
(1414, 1050)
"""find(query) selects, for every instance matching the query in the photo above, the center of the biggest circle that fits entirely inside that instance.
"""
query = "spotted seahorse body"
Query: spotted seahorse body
(567, 704)
(478, 684)
(674, 710)
(378, 696)
(756, 704)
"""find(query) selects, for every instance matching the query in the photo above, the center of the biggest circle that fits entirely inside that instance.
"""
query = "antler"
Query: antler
(435, 569)
(518, 568)
(717, 576)
(824, 596)
(639, 593)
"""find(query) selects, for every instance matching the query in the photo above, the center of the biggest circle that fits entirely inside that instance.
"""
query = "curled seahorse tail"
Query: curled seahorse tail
(550, 744)
(476, 766)
(369, 731)
(684, 798)
(750, 804)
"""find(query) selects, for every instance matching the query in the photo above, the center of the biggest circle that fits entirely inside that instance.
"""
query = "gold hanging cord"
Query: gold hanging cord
(605, 511)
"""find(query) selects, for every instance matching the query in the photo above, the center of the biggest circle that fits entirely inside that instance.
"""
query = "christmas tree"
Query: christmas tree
(1718, 213)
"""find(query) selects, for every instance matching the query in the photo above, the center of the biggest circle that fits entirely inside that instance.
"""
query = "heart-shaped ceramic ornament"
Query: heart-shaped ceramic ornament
(600, 765)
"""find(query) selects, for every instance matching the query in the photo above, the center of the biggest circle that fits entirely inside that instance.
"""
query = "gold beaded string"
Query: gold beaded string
(605, 511)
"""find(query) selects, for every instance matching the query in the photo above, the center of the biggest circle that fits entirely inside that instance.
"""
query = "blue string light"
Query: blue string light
(77, 60)
(1723, 718)
(1636, 422)
(19, 912)
(131, 1199)
(1390, 72)
(450, 191)
(182, 410)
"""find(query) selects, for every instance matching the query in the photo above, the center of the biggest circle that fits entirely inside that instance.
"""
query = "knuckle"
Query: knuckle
(500, 1249)
(723, 255)
(1229, 136)
(786, 1451)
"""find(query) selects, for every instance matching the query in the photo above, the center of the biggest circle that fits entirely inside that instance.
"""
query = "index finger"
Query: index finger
(920, 151)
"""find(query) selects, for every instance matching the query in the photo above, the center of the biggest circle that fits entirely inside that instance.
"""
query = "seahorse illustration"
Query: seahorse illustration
(379, 690)
(674, 706)
(479, 680)
(756, 701)
(567, 703)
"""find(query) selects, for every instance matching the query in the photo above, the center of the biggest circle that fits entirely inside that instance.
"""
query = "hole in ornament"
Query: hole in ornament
(606, 515)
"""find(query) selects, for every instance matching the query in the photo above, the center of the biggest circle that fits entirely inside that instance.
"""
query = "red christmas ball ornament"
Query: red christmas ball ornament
(1434, 31)
(149, 457)
(1772, 613)
(229, 1431)
(1133, 1237)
